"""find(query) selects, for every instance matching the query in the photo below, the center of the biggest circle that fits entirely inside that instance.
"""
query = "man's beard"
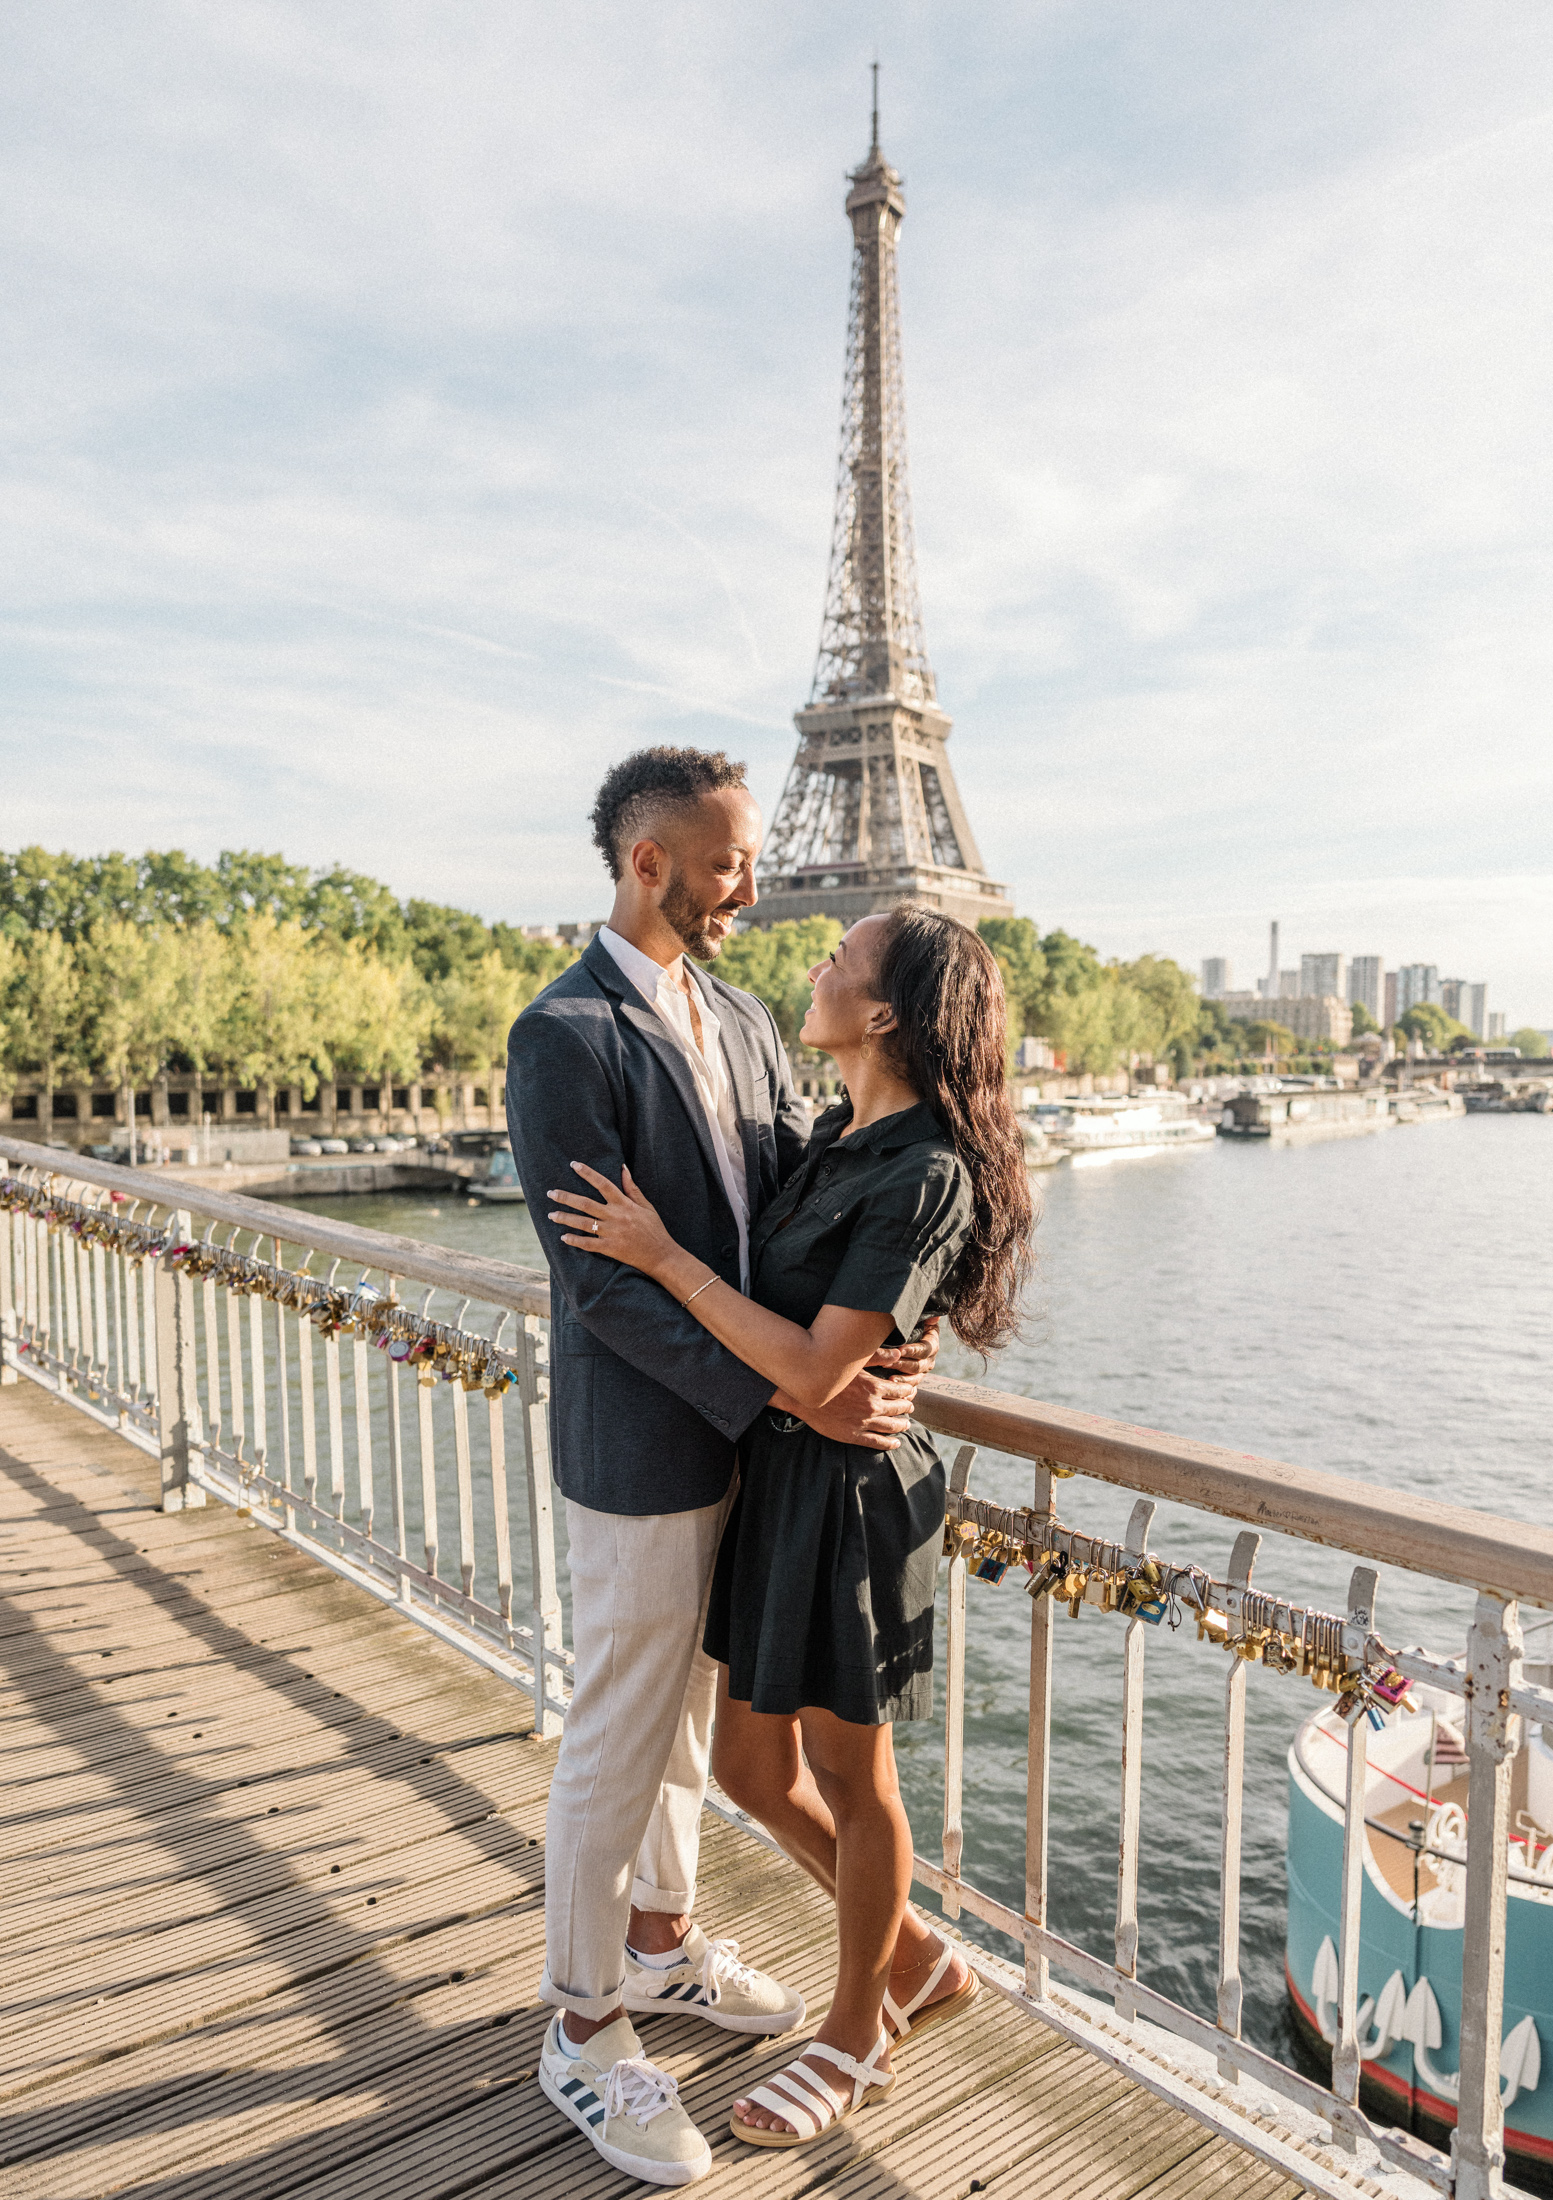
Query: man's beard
(685, 915)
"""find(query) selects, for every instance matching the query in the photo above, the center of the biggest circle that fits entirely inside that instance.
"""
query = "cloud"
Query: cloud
(408, 408)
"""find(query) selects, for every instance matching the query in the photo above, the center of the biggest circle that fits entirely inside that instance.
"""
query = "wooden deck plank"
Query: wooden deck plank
(271, 1912)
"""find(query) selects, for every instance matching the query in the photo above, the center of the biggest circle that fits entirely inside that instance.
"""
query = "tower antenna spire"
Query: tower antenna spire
(874, 142)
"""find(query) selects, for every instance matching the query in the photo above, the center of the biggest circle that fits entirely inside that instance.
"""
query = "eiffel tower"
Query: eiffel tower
(870, 814)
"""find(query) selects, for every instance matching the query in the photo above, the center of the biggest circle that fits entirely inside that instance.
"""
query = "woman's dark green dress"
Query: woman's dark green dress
(823, 1593)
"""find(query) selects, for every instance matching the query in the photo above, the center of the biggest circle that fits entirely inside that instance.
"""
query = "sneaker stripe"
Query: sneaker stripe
(570, 2086)
(597, 2119)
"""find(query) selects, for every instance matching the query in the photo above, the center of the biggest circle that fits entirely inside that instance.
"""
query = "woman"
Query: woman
(913, 1201)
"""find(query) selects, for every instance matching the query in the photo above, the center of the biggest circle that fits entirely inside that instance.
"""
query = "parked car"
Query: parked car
(332, 1145)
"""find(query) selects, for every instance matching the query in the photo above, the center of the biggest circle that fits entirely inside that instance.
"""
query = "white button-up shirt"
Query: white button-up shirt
(708, 1067)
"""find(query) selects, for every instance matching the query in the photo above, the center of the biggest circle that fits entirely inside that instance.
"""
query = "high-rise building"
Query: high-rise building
(1268, 986)
(1289, 987)
(1390, 990)
(1366, 983)
(1496, 1024)
(871, 813)
(1324, 974)
(1417, 983)
(1472, 1012)
(1216, 977)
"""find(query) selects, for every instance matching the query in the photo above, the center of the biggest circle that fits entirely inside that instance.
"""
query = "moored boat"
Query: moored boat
(1092, 1132)
(1412, 1912)
(1303, 1113)
(498, 1183)
(1426, 1104)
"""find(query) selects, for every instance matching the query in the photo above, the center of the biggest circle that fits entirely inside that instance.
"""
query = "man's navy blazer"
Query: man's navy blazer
(646, 1406)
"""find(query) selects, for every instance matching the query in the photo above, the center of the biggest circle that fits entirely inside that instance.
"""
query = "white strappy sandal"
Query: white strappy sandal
(901, 2015)
(801, 2097)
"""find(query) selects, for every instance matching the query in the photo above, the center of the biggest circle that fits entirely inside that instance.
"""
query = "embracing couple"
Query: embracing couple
(742, 1310)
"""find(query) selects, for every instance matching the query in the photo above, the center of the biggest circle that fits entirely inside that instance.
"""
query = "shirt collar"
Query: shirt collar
(645, 974)
(913, 1126)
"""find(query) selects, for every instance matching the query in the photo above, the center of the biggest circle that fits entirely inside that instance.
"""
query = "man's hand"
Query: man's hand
(872, 1412)
(916, 1359)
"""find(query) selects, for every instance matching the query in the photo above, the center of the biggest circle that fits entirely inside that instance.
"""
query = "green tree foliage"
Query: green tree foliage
(1429, 1022)
(1363, 1021)
(773, 962)
(128, 991)
(1532, 1043)
(251, 969)
(1261, 1039)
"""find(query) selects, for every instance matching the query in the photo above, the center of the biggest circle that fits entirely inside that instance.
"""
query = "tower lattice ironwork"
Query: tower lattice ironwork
(871, 813)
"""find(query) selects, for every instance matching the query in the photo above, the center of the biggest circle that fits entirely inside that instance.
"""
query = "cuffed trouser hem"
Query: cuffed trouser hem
(671, 1901)
(591, 2006)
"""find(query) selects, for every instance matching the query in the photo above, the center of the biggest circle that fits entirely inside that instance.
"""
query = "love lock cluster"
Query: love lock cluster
(435, 1350)
(1078, 1569)
(115, 1233)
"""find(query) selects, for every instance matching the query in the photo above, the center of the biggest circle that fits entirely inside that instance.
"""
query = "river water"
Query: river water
(1376, 1306)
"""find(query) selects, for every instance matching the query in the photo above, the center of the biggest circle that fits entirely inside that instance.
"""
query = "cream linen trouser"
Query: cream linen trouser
(631, 1775)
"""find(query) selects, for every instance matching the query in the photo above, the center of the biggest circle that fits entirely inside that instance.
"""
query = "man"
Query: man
(632, 1058)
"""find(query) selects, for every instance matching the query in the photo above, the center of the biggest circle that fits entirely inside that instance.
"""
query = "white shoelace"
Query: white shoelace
(637, 2088)
(721, 1966)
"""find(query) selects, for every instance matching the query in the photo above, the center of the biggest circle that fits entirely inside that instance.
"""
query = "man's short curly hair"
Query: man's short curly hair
(642, 789)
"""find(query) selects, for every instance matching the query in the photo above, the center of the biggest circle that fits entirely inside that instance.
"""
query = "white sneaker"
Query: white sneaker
(709, 1981)
(630, 2111)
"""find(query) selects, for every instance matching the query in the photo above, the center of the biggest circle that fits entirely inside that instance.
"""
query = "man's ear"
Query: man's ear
(649, 863)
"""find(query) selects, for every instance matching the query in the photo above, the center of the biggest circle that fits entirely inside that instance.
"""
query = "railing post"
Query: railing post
(1038, 1759)
(8, 1242)
(545, 1609)
(954, 1690)
(1231, 1990)
(1137, 1548)
(1346, 2057)
(1493, 1737)
(177, 1398)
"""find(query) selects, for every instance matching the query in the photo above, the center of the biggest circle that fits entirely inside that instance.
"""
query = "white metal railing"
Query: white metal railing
(358, 1405)
(1506, 1562)
(128, 1302)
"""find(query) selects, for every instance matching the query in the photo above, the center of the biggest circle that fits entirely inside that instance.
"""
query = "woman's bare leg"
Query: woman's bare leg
(828, 1792)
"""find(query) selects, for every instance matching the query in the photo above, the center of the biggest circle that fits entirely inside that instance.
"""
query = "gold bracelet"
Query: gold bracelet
(700, 1287)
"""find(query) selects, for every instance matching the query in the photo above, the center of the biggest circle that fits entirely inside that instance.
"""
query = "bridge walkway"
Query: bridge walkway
(271, 1873)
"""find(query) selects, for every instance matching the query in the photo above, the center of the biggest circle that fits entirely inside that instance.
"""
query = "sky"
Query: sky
(406, 409)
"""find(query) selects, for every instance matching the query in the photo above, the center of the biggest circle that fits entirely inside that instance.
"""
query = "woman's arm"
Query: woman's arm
(810, 1366)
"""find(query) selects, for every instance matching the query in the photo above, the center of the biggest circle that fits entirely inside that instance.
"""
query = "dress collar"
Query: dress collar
(913, 1126)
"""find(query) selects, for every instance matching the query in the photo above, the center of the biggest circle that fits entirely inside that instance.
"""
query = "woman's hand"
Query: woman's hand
(623, 1224)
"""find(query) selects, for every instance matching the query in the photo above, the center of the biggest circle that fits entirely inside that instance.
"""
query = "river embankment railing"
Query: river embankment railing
(382, 1403)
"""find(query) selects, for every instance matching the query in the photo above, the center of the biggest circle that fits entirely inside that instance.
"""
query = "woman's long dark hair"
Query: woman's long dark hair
(945, 987)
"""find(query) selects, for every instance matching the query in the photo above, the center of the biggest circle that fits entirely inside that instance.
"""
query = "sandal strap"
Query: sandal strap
(861, 2073)
(901, 2016)
(807, 2087)
(809, 2122)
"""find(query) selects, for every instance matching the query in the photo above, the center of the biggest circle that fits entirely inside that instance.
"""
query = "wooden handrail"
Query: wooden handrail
(472, 1275)
(1507, 1558)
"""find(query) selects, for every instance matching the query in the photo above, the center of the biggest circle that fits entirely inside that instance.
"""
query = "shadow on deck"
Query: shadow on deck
(271, 1878)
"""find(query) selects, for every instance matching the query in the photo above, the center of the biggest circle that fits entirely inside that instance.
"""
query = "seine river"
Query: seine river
(1376, 1306)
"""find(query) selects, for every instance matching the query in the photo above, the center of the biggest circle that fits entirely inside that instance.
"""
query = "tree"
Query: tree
(476, 1007)
(47, 1030)
(1363, 1021)
(1016, 944)
(1273, 1042)
(380, 1015)
(203, 1002)
(1167, 1019)
(129, 986)
(1532, 1043)
(1429, 1022)
(275, 1033)
(10, 1007)
(773, 962)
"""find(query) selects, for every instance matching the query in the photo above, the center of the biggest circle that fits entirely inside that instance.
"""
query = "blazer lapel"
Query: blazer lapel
(649, 1024)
